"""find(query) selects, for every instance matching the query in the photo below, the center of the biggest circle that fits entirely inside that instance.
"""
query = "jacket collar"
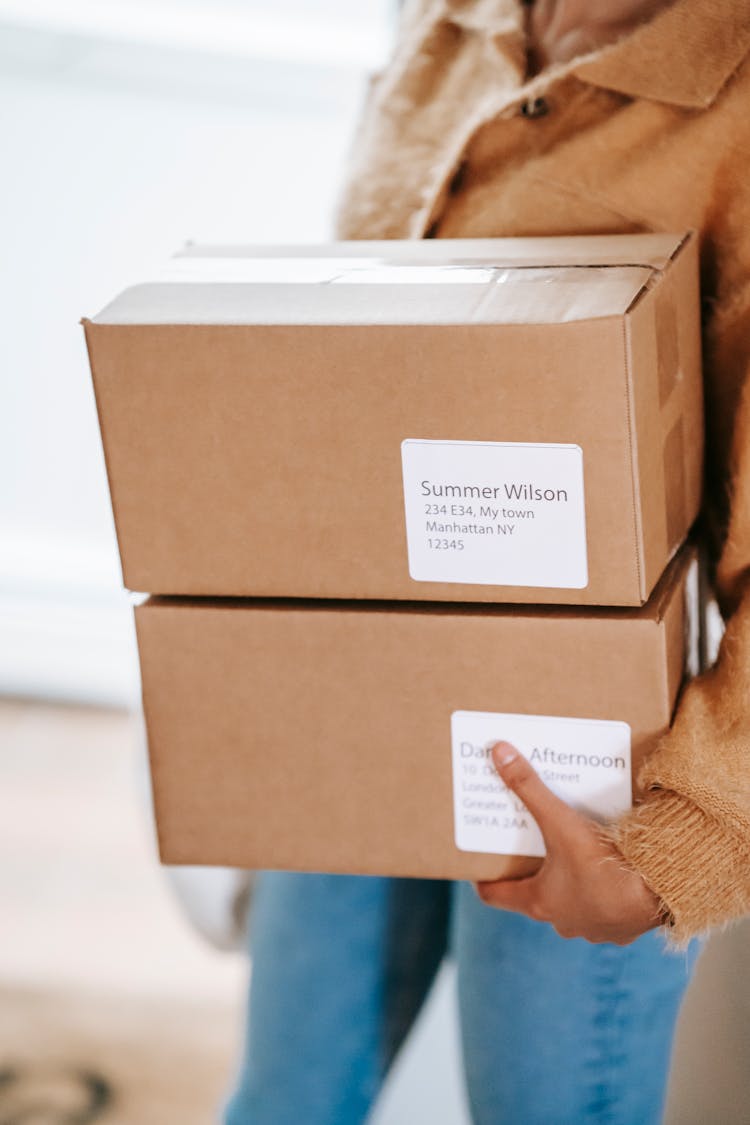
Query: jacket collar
(684, 55)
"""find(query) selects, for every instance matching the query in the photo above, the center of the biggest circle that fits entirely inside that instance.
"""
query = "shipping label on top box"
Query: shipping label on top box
(495, 513)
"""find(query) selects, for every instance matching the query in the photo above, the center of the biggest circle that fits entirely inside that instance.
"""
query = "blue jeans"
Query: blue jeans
(554, 1032)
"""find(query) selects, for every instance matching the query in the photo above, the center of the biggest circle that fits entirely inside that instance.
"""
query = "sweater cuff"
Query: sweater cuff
(698, 868)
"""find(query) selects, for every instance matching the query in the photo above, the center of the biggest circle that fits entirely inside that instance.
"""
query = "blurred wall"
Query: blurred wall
(129, 128)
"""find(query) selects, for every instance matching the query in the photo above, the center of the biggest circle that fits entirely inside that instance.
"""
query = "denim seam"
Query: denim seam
(604, 1063)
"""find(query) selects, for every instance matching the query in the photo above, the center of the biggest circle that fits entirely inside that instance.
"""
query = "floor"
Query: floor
(112, 1009)
(99, 974)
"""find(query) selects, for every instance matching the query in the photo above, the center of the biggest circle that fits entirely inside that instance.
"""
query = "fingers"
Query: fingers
(551, 814)
(518, 895)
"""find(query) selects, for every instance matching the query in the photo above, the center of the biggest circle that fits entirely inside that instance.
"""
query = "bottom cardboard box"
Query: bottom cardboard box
(352, 737)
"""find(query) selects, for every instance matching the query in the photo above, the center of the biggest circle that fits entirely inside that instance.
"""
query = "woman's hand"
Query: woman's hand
(583, 887)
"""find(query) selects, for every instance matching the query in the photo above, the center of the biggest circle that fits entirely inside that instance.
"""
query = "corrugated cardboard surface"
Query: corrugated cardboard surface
(316, 736)
(255, 451)
(668, 411)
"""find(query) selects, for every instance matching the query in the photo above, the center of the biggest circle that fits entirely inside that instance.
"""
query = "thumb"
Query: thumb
(550, 812)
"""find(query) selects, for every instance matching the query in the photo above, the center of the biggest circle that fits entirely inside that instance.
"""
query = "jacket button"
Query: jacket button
(535, 107)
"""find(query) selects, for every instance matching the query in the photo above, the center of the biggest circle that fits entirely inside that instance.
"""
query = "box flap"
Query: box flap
(653, 250)
(417, 281)
(360, 291)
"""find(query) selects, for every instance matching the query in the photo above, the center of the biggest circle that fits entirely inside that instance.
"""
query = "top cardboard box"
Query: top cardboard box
(500, 420)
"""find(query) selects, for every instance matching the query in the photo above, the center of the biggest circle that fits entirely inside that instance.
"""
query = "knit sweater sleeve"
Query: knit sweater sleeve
(690, 837)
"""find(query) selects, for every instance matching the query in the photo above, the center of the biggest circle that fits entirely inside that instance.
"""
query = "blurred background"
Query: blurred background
(128, 128)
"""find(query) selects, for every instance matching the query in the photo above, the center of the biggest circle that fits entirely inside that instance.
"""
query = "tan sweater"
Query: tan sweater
(650, 133)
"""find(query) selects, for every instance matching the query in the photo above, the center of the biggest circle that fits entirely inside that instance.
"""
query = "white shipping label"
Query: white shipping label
(495, 513)
(586, 762)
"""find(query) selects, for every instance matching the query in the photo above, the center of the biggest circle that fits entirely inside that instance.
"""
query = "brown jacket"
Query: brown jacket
(651, 133)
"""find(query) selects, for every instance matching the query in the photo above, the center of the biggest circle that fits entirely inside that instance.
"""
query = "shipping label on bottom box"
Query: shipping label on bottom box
(586, 762)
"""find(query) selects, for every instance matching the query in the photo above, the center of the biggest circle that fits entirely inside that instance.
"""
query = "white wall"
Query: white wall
(128, 128)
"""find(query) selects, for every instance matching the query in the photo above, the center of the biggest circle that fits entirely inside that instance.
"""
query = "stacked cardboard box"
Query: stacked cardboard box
(393, 502)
